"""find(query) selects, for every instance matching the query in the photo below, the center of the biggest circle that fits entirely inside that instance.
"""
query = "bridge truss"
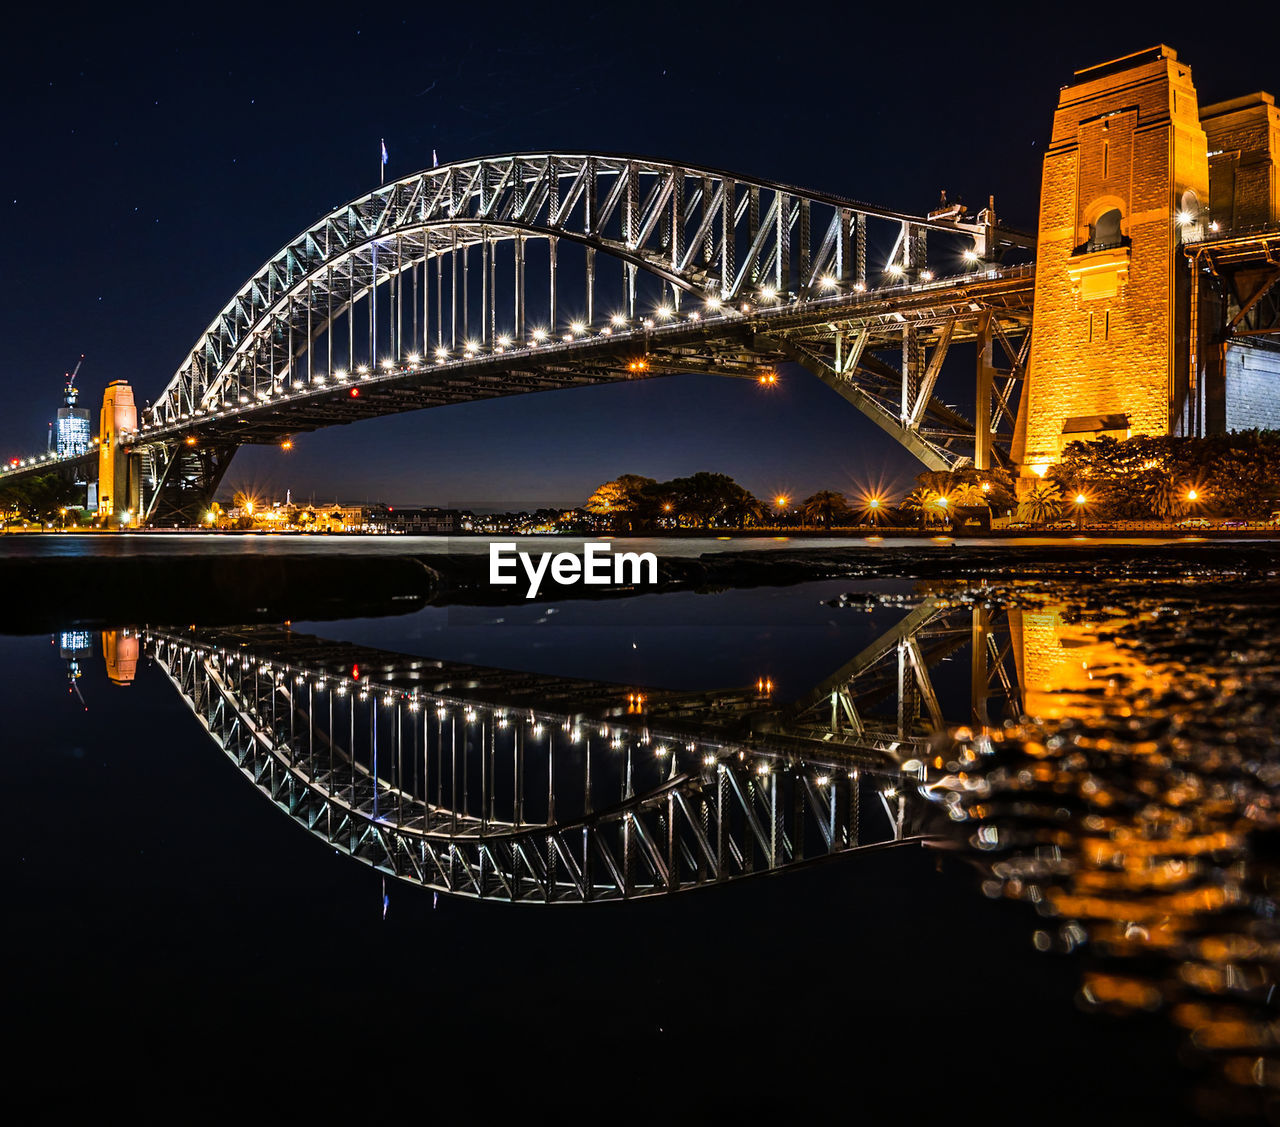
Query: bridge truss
(531, 272)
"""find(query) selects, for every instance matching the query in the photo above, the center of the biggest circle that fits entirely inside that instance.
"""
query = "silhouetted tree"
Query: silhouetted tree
(825, 507)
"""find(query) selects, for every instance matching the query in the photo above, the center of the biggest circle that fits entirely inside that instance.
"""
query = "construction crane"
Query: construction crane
(69, 395)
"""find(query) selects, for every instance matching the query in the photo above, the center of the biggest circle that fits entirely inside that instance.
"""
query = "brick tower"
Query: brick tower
(1126, 176)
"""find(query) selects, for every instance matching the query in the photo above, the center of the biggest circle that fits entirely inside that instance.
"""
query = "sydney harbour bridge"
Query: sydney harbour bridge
(1155, 290)
(538, 271)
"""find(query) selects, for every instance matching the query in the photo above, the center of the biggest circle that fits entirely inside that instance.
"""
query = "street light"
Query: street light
(1081, 501)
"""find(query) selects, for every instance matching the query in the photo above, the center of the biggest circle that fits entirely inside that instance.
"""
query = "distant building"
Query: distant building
(353, 518)
(72, 431)
(424, 522)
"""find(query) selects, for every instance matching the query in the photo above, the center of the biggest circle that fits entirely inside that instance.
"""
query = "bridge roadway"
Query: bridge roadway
(836, 338)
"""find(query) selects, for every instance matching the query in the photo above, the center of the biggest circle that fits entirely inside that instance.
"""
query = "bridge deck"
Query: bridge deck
(733, 343)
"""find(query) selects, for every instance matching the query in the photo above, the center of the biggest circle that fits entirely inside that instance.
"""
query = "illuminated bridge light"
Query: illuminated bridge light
(617, 319)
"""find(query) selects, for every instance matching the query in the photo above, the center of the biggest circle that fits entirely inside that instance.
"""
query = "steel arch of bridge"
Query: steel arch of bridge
(665, 812)
(358, 316)
(700, 231)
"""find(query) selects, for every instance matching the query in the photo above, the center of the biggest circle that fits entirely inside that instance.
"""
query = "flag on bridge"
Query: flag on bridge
(384, 152)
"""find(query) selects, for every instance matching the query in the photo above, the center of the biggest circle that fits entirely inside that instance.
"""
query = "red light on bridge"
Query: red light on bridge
(355, 673)
(355, 393)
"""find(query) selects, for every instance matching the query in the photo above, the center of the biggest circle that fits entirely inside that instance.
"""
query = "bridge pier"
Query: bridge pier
(1139, 180)
(180, 479)
(119, 467)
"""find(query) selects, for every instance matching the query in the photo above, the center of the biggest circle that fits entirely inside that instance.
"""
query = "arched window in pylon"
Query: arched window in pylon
(1105, 231)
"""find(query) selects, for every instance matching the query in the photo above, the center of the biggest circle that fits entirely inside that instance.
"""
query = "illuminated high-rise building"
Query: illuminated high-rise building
(72, 430)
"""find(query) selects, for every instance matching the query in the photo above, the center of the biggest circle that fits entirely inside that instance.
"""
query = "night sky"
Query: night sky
(153, 160)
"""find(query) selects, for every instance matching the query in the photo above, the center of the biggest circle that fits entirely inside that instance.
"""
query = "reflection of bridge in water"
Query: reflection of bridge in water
(532, 788)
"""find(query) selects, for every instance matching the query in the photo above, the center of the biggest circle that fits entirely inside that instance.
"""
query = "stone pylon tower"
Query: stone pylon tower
(119, 482)
(1126, 176)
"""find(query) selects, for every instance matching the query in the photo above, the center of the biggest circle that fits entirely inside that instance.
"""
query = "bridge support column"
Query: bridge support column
(119, 468)
(1125, 176)
(979, 669)
(982, 403)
